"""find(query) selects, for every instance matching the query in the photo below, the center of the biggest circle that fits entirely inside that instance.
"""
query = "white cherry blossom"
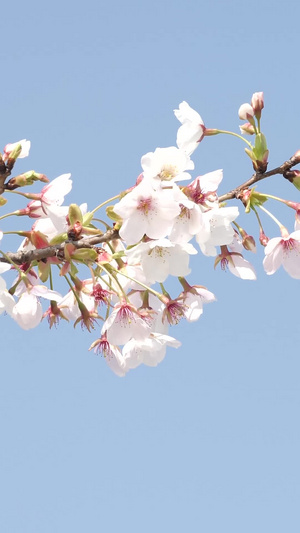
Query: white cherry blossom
(28, 311)
(189, 221)
(161, 258)
(53, 194)
(150, 351)
(167, 164)
(7, 301)
(191, 133)
(123, 324)
(217, 230)
(283, 251)
(69, 306)
(146, 211)
(194, 300)
(25, 147)
(112, 355)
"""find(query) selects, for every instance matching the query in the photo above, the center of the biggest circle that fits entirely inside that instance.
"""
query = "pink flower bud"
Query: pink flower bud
(246, 112)
(247, 128)
(257, 103)
(263, 239)
(249, 243)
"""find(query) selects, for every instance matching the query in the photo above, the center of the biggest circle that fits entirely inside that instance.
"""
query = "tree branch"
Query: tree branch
(236, 193)
(29, 256)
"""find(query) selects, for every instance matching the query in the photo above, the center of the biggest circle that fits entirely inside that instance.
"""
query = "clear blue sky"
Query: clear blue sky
(209, 440)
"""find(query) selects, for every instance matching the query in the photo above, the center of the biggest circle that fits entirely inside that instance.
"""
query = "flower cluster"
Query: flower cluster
(150, 233)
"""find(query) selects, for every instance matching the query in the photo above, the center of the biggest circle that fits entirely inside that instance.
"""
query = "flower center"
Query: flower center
(168, 172)
(145, 205)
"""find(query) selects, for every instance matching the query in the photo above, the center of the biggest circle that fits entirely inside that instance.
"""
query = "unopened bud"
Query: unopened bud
(261, 166)
(260, 154)
(14, 152)
(3, 201)
(249, 243)
(263, 239)
(84, 255)
(247, 128)
(22, 180)
(257, 103)
(246, 112)
(112, 215)
(74, 214)
(59, 239)
(38, 239)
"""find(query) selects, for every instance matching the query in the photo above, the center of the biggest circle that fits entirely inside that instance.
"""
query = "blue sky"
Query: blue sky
(209, 440)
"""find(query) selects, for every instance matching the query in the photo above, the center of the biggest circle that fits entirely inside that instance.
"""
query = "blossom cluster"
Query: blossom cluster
(150, 233)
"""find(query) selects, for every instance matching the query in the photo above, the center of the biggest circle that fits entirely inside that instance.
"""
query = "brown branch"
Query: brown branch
(57, 250)
(236, 193)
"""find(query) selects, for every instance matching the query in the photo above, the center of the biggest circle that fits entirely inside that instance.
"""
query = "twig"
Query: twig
(236, 193)
(29, 256)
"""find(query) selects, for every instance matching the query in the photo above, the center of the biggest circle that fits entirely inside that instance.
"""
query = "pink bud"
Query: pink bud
(257, 103)
(249, 243)
(263, 239)
(247, 128)
(246, 112)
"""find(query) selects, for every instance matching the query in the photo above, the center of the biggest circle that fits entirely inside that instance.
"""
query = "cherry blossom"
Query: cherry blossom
(112, 355)
(150, 351)
(25, 147)
(194, 298)
(167, 164)
(161, 258)
(146, 211)
(7, 301)
(283, 251)
(217, 229)
(68, 304)
(125, 323)
(52, 194)
(203, 190)
(236, 264)
(28, 311)
(192, 131)
(189, 221)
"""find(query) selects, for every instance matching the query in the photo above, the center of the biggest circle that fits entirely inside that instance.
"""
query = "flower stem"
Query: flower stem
(236, 135)
(106, 202)
(9, 214)
(281, 226)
